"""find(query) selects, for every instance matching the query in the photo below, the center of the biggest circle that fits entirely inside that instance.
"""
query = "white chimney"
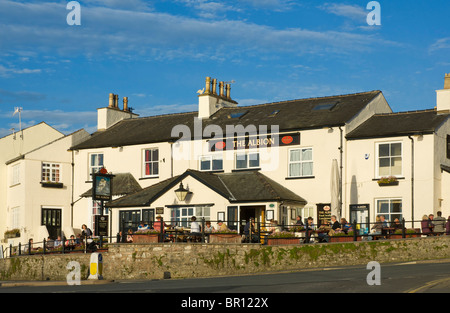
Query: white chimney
(106, 117)
(209, 102)
(443, 97)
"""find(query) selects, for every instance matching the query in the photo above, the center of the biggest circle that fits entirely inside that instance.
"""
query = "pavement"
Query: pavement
(4, 284)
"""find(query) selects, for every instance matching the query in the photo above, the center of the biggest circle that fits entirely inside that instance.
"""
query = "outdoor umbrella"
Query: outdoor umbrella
(335, 203)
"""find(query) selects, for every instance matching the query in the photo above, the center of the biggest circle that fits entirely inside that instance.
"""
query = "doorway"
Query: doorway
(51, 218)
(246, 212)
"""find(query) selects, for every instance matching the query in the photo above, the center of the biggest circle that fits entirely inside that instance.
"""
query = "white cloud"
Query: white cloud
(113, 32)
(354, 12)
(443, 43)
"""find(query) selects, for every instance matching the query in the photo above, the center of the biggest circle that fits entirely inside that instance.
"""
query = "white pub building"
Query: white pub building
(347, 155)
(269, 161)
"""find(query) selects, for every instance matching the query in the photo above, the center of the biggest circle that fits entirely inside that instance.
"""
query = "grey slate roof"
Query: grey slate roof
(123, 184)
(398, 124)
(292, 115)
(245, 186)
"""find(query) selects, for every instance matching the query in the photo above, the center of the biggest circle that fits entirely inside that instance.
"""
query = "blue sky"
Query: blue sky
(158, 53)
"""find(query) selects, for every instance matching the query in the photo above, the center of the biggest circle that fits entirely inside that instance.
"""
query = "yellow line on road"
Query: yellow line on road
(428, 285)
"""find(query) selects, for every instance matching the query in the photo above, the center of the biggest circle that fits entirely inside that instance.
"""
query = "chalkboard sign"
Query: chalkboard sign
(101, 225)
(323, 213)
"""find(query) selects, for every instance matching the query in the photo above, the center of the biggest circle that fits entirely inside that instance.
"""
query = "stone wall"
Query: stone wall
(153, 261)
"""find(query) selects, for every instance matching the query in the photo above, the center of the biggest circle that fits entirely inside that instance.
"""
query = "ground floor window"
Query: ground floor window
(181, 216)
(390, 208)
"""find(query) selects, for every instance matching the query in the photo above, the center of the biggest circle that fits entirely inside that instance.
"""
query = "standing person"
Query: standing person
(249, 231)
(439, 224)
(195, 229)
(309, 229)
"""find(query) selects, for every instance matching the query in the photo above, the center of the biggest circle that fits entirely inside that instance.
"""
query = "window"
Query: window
(211, 163)
(51, 172)
(181, 216)
(247, 160)
(301, 162)
(15, 218)
(390, 208)
(15, 178)
(325, 106)
(389, 159)
(151, 162)
(237, 114)
(96, 162)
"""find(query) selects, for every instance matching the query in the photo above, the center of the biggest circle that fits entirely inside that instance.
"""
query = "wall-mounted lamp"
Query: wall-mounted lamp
(181, 192)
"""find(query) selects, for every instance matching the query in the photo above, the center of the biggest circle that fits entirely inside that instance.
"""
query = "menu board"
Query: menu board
(323, 213)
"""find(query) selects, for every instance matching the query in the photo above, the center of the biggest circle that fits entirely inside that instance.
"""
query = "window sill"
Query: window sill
(149, 177)
(398, 178)
(213, 171)
(301, 177)
(246, 169)
(52, 185)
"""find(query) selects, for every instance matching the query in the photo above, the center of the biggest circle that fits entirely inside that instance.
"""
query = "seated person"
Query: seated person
(143, 226)
(426, 227)
(221, 226)
(396, 225)
(323, 231)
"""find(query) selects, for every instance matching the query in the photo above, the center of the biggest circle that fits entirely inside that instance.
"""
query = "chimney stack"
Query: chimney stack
(443, 97)
(210, 102)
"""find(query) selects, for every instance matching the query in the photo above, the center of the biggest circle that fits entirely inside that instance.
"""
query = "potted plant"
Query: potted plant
(388, 181)
(282, 238)
(13, 233)
(146, 236)
(227, 236)
(340, 236)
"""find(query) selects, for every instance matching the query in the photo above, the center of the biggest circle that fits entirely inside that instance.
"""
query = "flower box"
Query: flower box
(282, 241)
(224, 238)
(146, 238)
(388, 181)
(15, 233)
(343, 238)
(52, 185)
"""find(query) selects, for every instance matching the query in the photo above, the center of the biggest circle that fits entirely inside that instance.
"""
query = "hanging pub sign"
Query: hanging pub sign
(252, 142)
(102, 186)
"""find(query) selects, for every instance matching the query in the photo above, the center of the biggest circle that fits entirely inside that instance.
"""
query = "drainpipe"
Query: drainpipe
(73, 181)
(412, 180)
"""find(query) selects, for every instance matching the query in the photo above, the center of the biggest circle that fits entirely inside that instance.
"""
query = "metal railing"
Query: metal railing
(258, 233)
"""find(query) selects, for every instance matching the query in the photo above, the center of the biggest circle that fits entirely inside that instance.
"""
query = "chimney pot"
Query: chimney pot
(228, 90)
(111, 100)
(208, 85)
(214, 86)
(116, 101)
(447, 81)
(125, 104)
(221, 89)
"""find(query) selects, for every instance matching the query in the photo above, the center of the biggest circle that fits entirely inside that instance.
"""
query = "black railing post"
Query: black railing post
(259, 229)
(43, 246)
(10, 250)
(355, 235)
(20, 248)
(161, 231)
(403, 228)
(203, 230)
(63, 243)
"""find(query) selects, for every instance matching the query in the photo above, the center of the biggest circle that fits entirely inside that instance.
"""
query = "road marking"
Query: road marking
(428, 285)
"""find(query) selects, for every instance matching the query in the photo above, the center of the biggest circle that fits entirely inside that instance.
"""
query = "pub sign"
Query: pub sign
(252, 142)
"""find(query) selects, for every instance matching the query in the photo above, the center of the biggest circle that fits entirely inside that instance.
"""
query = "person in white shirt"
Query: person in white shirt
(195, 229)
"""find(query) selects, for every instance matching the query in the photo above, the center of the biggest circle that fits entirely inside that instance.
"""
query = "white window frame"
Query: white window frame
(15, 174)
(377, 159)
(185, 219)
(389, 214)
(210, 158)
(97, 167)
(51, 167)
(247, 153)
(300, 162)
(144, 162)
(15, 222)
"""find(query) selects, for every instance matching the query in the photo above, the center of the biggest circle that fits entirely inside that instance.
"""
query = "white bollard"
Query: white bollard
(96, 266)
